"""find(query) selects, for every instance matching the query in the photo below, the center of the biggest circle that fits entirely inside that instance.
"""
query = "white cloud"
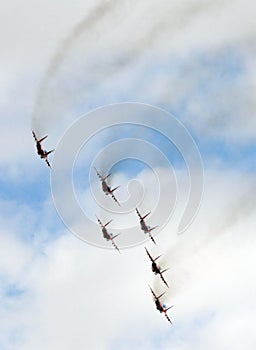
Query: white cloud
(186, 31)
(87, 297)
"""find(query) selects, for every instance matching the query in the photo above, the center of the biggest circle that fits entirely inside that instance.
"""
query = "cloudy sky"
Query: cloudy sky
(194, 59)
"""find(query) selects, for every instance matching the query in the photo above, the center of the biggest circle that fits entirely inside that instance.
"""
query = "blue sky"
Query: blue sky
(193, 59)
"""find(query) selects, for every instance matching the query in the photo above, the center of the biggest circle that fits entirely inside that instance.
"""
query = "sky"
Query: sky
(163, 95)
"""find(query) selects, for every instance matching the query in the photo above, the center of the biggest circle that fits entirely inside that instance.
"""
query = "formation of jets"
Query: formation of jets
(147, 230)
(162, 308)
(106, 188)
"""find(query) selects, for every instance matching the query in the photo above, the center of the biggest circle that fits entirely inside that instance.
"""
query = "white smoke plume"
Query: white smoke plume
(101, 47)
(193, 256)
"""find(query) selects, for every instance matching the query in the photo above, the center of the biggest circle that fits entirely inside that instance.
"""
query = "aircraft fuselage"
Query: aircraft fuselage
(105, 188)
(106, 235)
(158, 305)
(40, 151)
(155, 268)
(143, 226)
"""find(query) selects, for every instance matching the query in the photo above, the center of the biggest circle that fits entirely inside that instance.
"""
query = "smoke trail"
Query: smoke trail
(82, 27)
(129, 47)
(185, 256)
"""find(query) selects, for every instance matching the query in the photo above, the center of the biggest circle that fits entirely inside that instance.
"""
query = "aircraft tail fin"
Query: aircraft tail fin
(108, 223)
(105, 178)
(144, 217)
(153, 228)
(47, 153)
(161, 295)
(115, 189)
(42, 139)
(157, 257)
(162, 271)
(169, 308)
(115, 236)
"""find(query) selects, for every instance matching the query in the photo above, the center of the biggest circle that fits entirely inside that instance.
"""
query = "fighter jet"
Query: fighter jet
(145, 228)
(105, 187)
(107, 235)
(40, 151)
(161, 307)
(156, 269)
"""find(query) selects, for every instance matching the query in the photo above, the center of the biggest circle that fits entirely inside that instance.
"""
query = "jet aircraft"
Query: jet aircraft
(105, 187)
(144, 227)
(107, 235)
(40, 151)
(161, 307)
(155, 268)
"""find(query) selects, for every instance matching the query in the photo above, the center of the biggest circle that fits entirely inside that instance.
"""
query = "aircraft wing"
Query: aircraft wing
(168, 318)
(47, 162)
(101, 178)
(113, 243)
(162, 278)
(113, 196)
(34, 135)
(137, 211)
(151, 237)
(153, 293)
(157, 298)
(150, 257)
(101, 224)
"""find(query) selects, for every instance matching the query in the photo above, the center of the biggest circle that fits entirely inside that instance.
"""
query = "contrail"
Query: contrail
(53, 93)
(82, 27)
(187, 251)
